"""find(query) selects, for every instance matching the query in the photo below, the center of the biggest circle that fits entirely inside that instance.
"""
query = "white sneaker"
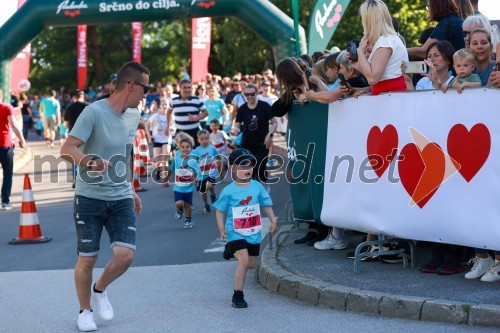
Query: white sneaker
(102, 305)
(331, 243)
(493, 274)
(86, 321)
(481, 266)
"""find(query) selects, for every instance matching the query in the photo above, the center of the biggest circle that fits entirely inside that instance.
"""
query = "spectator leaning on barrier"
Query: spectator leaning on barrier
(480, 45)
(382, 68)
(440, 61)
(449, 26)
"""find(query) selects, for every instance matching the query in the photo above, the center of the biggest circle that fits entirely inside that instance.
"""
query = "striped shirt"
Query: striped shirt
(181, 110)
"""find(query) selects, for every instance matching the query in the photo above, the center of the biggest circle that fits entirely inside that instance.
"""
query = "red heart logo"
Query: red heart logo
(330, 23)
(246, 201)
(421, 172)
(381, 147)
(469, 148)
(338, 9)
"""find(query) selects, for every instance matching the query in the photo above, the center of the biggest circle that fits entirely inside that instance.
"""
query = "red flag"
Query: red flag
(200, 47)
(20, 66)
(81, 55)
(136, 41)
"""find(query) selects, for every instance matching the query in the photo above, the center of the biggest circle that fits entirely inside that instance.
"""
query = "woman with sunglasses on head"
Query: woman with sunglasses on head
(478, 21)
(449, 26)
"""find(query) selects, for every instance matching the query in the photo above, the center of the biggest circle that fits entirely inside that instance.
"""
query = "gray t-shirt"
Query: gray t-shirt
(109, 135)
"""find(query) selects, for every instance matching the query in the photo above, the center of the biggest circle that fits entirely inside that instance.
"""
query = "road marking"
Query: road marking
(218, 246)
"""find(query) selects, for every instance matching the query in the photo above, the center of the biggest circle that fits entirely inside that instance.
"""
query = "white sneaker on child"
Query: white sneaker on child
(86, 321)
(481, 266)
(493, 274)
(331, 243)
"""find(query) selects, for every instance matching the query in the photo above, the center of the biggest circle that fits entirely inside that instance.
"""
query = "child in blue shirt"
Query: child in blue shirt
(185, 172)
(208, 163)
(63, 133)
(38, 127)
(242, 200)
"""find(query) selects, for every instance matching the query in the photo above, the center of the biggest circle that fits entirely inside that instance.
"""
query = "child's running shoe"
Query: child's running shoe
(239, 300)
(213, 197)
(188, 224)
(178, 214)
(206, 210)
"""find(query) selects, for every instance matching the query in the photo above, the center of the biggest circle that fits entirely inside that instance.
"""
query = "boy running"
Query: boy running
(242, 200)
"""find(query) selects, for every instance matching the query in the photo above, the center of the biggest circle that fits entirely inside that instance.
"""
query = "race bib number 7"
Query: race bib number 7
(246, 220)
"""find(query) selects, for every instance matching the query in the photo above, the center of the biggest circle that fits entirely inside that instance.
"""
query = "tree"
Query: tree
(166, 45)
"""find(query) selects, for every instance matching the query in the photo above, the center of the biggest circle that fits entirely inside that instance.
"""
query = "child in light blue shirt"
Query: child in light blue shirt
(185, 170)
(242, 200)
(209, 164)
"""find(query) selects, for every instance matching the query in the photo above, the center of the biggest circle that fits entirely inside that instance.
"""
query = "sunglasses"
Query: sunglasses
(465, 33)
(249, 94)
(144, 87)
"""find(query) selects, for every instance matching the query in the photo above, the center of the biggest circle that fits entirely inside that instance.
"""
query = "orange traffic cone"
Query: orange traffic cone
(29, 226)
(139, 166)
(144, 147)
(137, 184)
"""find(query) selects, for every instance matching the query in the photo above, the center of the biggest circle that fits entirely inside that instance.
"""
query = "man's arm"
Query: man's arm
(16, 131)
(70, 151)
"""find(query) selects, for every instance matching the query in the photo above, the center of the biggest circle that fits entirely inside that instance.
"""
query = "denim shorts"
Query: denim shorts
(184, 196)
(91, 215)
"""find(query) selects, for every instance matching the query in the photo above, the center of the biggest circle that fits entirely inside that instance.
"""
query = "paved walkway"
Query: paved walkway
(327, 278)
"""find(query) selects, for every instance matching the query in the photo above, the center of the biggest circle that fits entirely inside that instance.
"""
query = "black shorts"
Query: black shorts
(240, 244)
(158, 144)
(201, 186)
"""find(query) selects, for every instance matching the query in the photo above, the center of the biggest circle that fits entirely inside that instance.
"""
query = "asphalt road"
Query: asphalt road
(178, 282)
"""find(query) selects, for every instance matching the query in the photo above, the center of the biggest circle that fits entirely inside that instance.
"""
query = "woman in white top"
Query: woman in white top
(161, 140)
(382, 68)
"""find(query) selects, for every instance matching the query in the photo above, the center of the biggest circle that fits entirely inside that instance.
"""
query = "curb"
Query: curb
(275, 277)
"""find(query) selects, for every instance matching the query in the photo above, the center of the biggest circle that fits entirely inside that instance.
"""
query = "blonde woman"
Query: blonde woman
(319, 76)
(382, 68)
(465, 8)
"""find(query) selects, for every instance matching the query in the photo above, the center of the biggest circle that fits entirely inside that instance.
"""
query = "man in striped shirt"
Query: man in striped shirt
(188, 109)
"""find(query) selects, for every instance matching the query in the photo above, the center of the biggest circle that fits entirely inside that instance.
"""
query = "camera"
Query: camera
(352, 48)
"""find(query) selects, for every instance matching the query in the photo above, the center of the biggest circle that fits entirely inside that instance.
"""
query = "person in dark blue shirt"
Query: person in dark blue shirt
(449, 26)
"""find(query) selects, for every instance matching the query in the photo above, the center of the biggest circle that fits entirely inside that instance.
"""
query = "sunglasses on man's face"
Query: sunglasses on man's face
(144, 87)
(249, 94)
(465, 33)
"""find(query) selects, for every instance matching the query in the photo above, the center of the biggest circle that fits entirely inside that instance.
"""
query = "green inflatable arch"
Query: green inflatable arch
(261, 16)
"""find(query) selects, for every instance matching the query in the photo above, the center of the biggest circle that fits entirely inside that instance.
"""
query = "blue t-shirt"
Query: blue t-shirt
(38, 124)
(50, 106)
(485, 75)
(207, 156)
(232, 197)
(450, 29)
(214, 108)
(185, 171)
(334, 85)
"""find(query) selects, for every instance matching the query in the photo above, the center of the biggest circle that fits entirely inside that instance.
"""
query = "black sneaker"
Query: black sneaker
(206, 210)
(156, 175)
(213, 197)
(239, 300)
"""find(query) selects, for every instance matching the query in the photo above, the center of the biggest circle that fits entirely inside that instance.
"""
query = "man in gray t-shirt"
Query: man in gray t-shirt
(100, 144)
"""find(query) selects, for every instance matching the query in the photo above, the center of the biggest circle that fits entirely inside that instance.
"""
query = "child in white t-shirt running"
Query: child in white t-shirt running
(219, 139)
(242, 200)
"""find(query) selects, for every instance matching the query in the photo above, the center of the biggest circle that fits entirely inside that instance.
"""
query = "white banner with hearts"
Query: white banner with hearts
(433, 172)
